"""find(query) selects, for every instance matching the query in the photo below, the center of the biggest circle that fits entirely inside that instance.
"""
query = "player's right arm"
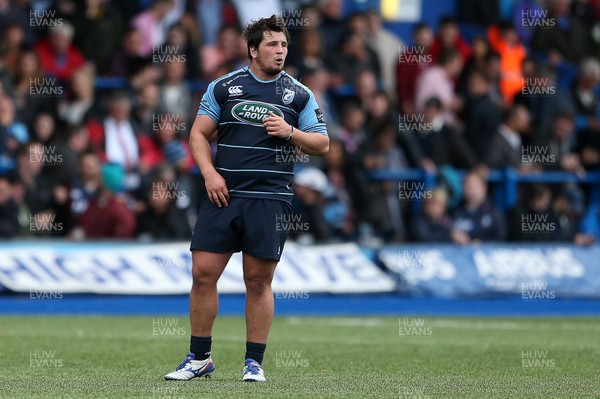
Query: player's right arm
(204, 126)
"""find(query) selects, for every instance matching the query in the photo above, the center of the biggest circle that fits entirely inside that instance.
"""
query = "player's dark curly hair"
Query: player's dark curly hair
(254, 31)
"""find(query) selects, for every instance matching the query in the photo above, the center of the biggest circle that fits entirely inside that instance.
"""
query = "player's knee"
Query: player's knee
(257, 285)
(203, 278)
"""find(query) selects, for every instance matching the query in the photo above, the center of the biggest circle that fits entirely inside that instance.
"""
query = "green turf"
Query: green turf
(117, 357)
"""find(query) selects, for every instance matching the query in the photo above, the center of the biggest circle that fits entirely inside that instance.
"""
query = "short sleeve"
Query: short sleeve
(311, 117)
(209, 105)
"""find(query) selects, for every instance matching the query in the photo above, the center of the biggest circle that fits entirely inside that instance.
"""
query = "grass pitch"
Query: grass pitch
(407, 357)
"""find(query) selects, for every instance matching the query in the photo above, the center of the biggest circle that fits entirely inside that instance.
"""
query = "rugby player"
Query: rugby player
(259, 112)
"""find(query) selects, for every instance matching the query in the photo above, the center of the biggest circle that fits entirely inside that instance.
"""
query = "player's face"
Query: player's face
(271, 53)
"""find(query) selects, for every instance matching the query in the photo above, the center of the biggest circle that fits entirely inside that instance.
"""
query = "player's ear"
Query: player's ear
(253, 52)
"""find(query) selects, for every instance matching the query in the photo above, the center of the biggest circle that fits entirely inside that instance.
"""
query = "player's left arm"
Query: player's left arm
(310, 135)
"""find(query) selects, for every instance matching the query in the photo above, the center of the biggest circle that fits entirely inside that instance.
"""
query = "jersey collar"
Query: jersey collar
(264, 81)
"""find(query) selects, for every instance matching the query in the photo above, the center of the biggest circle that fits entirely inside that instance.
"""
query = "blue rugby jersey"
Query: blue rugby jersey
(254, 164)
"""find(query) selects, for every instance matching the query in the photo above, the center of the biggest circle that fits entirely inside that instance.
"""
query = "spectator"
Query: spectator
(382, 41)
(561, 146)
(332, 25)
(310, 54)
(12, 45)
(149, 23)
(535, 220)
(107, 215)
(146, 113)
(481, 116)
(81, 106)
(12, 133)
(566, 41)
(386, 210)
(494, 73)
(26, 83)
(505, 149)
(38, 190)
(175, 149)
(174, 95)
(117, 139)
(352, 57)
(349, 185)
(58, 56)
(449, 38)
(44, 128)
(98, 27)
(352, 132)
(86, 184)
(586, 95)
(569, 207)
(442, 144)
(480, 50)
(317, 80)
(67, 149)
(162, 220)
(365, 87)
(9, 212)
(229, 51)
(128, 60)
(438, 81)
(476, 219)
(505, 41)
(180, 45)
(543, 100)
(310, 191)
(433, 223)
(410, 66)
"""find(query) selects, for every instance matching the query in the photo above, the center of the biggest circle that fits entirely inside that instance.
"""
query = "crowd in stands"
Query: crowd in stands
(83, 161)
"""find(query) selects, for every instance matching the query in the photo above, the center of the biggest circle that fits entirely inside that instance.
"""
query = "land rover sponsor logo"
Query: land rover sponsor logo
(253, 112)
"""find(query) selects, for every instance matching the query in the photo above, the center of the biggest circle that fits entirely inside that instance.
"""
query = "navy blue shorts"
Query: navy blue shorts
(249, 225)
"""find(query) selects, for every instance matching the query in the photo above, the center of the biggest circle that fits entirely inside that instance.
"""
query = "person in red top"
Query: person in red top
(416, 59)
(59, 58)
(107, 215)
(449, 38)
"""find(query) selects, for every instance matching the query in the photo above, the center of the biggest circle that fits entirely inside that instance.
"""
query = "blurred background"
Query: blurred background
(464, 157)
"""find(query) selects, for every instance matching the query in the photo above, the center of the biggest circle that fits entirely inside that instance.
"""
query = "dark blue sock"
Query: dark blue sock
(200, 347)
(255, 351)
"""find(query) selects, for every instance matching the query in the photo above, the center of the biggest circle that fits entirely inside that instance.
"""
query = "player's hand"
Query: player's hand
(216, 188)
(277, 126)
